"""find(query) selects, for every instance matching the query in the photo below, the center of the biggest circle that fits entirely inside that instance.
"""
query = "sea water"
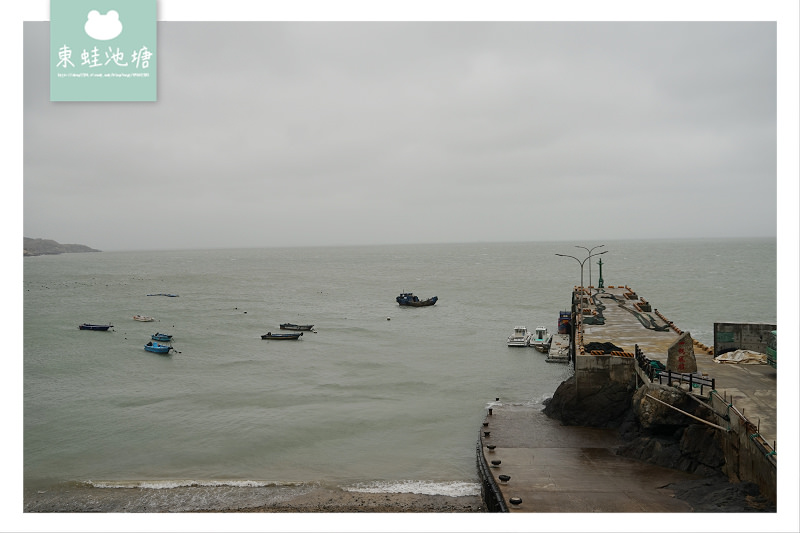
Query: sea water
(377, 398)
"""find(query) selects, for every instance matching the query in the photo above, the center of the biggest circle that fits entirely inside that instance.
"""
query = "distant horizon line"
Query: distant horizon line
(341, 245)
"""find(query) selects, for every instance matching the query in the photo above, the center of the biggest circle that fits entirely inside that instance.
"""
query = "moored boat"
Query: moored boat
(95, 327)
(157, 348)
(297, 327)
(282, 336)
(564, 322)
(541, 339)
(520, 337)
(409, 299)
(161, 337)
(143, 318)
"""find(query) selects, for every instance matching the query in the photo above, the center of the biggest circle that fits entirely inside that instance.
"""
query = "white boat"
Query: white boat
(541, 339)
(142, 318)
(520, 337)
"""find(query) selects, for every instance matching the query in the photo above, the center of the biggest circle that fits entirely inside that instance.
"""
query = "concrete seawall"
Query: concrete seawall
(620, 343)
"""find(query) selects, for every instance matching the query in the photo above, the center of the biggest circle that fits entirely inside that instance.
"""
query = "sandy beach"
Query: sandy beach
(335, 501)
(227, 499)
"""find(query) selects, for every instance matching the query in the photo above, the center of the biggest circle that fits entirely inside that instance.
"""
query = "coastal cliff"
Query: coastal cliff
(31, 247)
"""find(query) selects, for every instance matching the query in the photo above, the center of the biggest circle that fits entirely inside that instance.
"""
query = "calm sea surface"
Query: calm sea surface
(379, 398)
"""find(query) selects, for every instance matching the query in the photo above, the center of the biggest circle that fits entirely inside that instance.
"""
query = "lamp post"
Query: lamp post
(582, 262)
(589, 250)
(573, 341)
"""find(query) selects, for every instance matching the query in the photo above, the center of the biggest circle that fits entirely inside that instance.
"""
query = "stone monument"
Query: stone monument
(680, 356)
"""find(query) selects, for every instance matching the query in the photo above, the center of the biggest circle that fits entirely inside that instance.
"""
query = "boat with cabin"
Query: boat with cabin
(520, 337)
(161, 337)
(157, 348)
(410, 300)
(541, 339)
(143, 318)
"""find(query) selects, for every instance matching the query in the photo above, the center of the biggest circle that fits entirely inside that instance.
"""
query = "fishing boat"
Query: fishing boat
(95, 327)
(142, 318)
(541, 339)
(282, 336)
(157, 348)
(164, 294)
(409, 299)
(564, 322)
(297, 327)
(520, 337)
(161, 337)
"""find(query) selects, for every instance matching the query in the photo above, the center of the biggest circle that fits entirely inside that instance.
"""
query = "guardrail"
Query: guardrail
(656, 370)
(692, 379)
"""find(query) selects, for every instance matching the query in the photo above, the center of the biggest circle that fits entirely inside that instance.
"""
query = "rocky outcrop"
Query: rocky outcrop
(603, 407)
(50, 247)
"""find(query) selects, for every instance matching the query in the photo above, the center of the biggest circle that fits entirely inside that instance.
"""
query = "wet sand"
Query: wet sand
(332, 501)
(194, 499)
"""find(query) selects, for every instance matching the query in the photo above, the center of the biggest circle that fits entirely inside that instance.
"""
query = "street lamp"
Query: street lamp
(582, 262)
(589, 250)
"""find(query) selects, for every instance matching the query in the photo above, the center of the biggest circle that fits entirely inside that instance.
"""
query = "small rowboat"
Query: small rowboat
(297, 327)
(95, 327)
(157, 348)
(142, 318)
(282, 336)
(161, 337)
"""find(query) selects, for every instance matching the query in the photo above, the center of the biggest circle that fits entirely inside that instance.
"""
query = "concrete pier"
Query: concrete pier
(547, 467)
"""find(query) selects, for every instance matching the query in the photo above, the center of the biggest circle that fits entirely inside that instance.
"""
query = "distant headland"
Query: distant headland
(32, 247)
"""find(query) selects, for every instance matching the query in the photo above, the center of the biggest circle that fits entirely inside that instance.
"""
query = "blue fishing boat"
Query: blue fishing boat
(161, 337)
(409, 299)
(157, 348)
(95, 327)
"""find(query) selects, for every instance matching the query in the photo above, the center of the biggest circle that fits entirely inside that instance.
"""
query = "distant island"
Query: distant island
(32, 247)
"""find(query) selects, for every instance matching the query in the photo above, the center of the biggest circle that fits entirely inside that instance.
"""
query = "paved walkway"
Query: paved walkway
(565, 469)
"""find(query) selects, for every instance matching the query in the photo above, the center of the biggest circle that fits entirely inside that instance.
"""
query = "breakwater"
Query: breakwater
(643, 391)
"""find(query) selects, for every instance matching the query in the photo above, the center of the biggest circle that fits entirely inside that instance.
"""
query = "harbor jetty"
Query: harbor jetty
(648, 415)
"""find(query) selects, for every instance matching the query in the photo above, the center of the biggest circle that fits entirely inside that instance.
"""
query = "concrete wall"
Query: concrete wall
(741, 336)
(747, 456)
(597, 370)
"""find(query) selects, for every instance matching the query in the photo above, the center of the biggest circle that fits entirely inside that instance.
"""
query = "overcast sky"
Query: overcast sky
(329, 133)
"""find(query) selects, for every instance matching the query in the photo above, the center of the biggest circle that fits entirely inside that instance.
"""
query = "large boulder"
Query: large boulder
(653, 414)
(602, 407)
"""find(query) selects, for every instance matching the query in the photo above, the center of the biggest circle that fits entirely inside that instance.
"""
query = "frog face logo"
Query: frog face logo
(103, 27)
